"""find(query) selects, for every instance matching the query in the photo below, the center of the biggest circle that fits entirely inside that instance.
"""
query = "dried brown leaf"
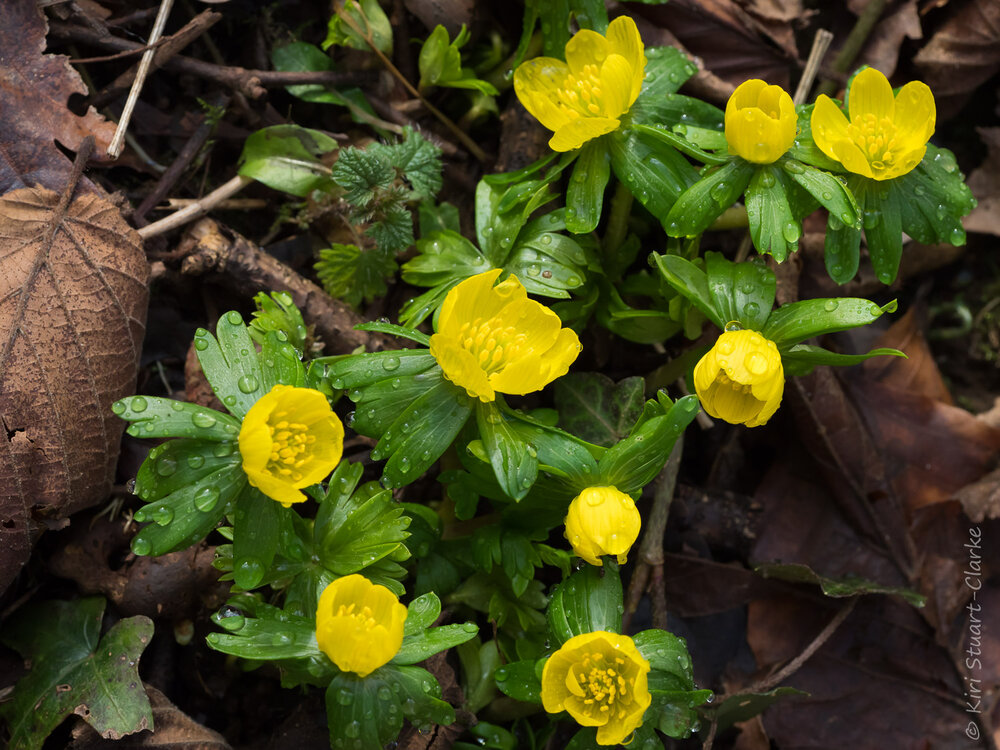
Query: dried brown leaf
(173, 730)
(882, 49)
(984, 182)
(965, 51)
(72, 317)
(981, 499)
(34, 91)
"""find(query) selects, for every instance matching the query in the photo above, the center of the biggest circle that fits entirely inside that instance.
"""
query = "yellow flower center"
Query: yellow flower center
(363, 617)
(580, 96)
(289, 440)
(876, 138)
(602, 683)
(493, 347)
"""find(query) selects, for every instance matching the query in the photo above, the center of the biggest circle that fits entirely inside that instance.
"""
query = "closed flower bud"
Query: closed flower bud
(602, 521)
(600, 679)
(290, 439)
(359, 624)
(493, 338)
(741, 379)
(760, 122)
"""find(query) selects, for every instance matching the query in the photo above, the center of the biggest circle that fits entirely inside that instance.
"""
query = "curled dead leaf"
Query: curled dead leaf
(72, 316)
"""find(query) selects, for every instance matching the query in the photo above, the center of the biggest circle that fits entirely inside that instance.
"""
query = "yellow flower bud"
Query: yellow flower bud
(760, 122)
(290, 439)
(741, 379)
(886, 136)
(584, 97)
(602, 521)
(359, 624)
(493, 338)
(600, 679)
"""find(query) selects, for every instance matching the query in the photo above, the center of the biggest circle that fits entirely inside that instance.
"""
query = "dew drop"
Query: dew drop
(734, 325)
(166, 466)
(390, 363)
(141, 546)
(163, 515)
(234, 317)
(534, 270)
(791, 232)
(546, 239)
(118, 407)
(501, 675)
(750, 309)
(201, 344)
(206, 499)
(203, 419)
(470, 627)
(229, 400)
(767, 179)
(957, 236)
(223, 449)
(830, 305)
(719, 192)
(793, 167)
(834, 224)
(139, 404)
(247, 384)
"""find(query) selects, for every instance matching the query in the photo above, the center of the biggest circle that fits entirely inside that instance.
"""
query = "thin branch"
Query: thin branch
(821, 43)
(115, 147)
(196, 210)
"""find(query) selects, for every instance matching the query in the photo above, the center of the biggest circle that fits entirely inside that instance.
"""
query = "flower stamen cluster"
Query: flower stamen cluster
(289, 441)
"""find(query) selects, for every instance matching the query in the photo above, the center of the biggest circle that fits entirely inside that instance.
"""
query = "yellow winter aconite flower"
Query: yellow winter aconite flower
(602, 521)
(359, 624)
(584, 97)
(600, 680)
(290, 439)
(741, 379)
(493, 338)
(886, 136)
(760, 122)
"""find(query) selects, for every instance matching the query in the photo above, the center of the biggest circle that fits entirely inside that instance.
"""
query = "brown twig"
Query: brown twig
(145, 66)
(242, 266)
(186, 155)
(854, 43)
(196, 210)
(648, 575)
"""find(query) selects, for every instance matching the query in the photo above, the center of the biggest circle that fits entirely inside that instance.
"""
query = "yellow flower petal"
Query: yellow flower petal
(871, 93)
(623, 39)
(595, 663)
(886, 137)
(760, 122)
(359, 624)
(537, 84)
(741, 379)
(586, 48)
(492, 338)
(585, 97)
(290, 439)
(570, 137)
(602, 521)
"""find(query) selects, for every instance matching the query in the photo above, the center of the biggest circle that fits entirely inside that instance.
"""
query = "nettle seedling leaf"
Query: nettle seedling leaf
(288, 158)
(595, 408)
(71, 672)
(418, 160)
(360, 172)
(351, 274)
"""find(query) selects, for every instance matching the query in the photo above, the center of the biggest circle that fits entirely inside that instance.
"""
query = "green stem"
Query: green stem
(621, 209)
(855, 41)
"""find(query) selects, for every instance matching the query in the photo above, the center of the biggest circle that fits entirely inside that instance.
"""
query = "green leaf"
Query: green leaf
(421, 613)
(276, 311)
(268, 634)
(440, 63)
(742, 292)
(934, 197)
(831, 193)
(231, 364)
(422, 433)
(356, 370)
(590, 599)
(514, 461)
(368, 18)
(804, 148)
(692, 119)
(288, 158)
(842, 250)
(72, 673)
(691, 282)
(803, 320)
(257, 522)
(554, 15)
(668, 655)
(634, 462)
(358, 710)
(667, 68)
(154, 417)
(360, 172)
(699, 205)
(519, 680)
(442, 217)
(351, 274)
(883, 222)
(394, 330)
(420, 696)
(674, 711)
(380, 405)
(298, 57)
(187, 505)
(585, 195)
(802, 358)
(596, 409)
(428, 642)
(655, 173)
(773, 227)
(443, 257)
(836, 587)
(357, 530)
(744, 706)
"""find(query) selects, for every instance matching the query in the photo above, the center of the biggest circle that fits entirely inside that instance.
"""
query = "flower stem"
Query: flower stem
(854, 42)
(621, 208)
